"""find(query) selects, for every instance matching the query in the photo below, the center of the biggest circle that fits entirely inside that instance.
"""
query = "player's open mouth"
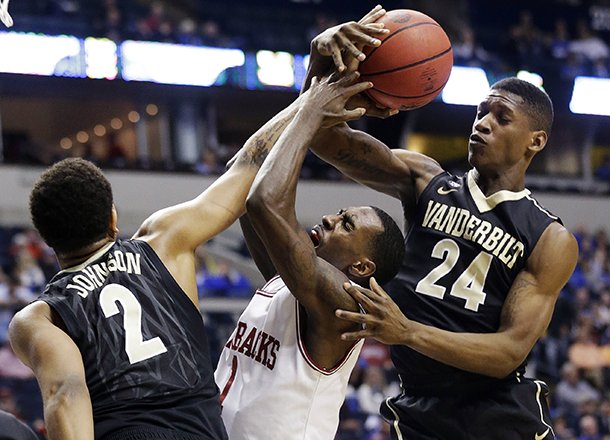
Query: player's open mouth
(315, 236)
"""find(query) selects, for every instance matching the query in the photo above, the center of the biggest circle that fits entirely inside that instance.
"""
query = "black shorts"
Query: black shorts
(150, 433)
(513, 410)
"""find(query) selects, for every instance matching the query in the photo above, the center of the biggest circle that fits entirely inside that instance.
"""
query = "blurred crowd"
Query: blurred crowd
(573, 357)
(569, 41)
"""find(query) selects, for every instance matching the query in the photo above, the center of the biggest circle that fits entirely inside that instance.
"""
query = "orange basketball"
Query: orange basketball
(412, 64)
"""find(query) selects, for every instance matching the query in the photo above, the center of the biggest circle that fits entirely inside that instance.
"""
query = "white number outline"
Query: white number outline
(136, 347)
(468, 286)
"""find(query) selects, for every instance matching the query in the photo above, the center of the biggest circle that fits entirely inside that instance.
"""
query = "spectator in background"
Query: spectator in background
(186, 33)
(589, 428)
(559, 41)
(10, 365)
(209, 164)
(467, 51)
(572, 391)
(588, 47)
(527, 40)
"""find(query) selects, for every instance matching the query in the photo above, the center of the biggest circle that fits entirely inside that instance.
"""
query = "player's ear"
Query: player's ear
(362, 268)
(113, 228)
(539, 139)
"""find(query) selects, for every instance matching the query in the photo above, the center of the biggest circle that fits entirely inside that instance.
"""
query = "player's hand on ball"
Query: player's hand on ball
(383, 319)
(372, 108)
(328, 98)
(345, 41)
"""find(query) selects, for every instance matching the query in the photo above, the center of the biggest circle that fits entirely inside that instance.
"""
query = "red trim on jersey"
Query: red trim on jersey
(225, 390)
(309, 360)
(262, 290)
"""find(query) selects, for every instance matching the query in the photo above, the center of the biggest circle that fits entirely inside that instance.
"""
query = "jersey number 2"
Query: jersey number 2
(136, 347)
(468, 286)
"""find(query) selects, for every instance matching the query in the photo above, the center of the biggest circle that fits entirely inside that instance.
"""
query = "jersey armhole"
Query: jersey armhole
(68, 320)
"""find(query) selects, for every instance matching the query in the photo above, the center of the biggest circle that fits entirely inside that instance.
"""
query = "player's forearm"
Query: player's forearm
(362, 158)
(257, 248)
(257, 147)
(490, 354)
(275, 185)
(68, 414)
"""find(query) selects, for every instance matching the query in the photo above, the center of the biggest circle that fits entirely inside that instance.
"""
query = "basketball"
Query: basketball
(412, 64)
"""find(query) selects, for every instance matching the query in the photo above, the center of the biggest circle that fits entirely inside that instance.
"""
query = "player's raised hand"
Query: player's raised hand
(345, 41)
(328, 97)
(383, 319)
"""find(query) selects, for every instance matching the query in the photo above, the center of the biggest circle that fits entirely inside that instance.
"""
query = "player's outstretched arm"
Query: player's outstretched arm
(399, 173)
(58, 366)
(526, 314)
(271, 202)
(183, 227)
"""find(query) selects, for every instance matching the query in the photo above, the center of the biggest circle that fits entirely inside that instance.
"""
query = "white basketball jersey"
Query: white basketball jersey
(270, 388)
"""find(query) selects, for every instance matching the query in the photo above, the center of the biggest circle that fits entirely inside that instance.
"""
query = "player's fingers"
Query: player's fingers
(381, 113)
(360, 39)
(373, 15)
(359, 318)
(335, 53)
(346, 44)
(350, 115)
(355, 336)
(360, 295)
(375, 287)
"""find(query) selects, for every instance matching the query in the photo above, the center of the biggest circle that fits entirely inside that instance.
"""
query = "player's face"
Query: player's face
(500, 133)
(343, 238)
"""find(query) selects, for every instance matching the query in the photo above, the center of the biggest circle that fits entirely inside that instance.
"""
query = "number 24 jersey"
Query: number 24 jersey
(463, 252)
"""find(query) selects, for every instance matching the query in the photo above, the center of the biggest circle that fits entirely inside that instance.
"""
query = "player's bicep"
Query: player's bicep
(530, 302)
(47, 350)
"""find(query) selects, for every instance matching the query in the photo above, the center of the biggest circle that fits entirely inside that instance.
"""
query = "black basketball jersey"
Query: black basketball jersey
(142, 340)
(463, 252)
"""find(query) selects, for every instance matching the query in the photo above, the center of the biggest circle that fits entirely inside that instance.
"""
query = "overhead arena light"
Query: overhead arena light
(466, 86)
(531, 77)
(176, 64)
(591, 96)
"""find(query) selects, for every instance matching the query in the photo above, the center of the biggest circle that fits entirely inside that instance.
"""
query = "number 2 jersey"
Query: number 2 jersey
(271, 388)
(463, 252)
(142, 340)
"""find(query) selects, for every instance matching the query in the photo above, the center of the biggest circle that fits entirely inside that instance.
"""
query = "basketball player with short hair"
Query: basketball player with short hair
(284, 371)
(483, 267)
(116, 340)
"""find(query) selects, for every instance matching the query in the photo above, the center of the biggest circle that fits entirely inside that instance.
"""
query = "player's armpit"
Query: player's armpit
(58, 366)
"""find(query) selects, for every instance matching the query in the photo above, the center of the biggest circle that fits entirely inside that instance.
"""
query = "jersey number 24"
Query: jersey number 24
(468, 286)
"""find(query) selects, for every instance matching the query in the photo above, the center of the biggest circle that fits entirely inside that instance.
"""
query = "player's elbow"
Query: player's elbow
(62, 394)
(263, 200)
(256, 205)
(511, 357)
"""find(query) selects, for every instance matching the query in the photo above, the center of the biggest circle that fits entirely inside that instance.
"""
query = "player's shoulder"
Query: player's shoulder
(537, 208)
(25, 320)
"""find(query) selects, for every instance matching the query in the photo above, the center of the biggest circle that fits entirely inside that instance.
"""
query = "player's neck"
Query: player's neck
(491, 182)
(74, 258)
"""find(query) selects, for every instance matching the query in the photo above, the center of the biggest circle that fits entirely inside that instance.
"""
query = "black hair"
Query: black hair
(71, 205)
(388, 248)
(537, 104)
